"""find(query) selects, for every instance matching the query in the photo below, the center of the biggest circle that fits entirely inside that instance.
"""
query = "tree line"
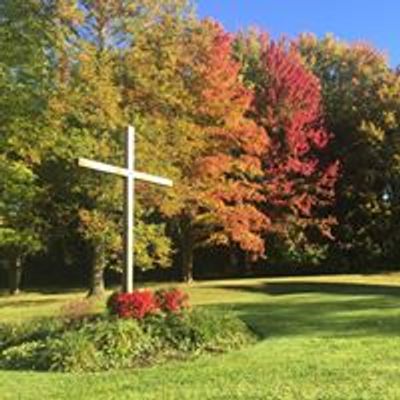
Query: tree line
(282, 151)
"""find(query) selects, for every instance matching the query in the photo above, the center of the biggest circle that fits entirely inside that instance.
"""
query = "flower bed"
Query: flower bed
(140, 329)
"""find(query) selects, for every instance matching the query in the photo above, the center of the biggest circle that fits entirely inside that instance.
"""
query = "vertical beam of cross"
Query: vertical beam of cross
(129, 212)
(130, 175)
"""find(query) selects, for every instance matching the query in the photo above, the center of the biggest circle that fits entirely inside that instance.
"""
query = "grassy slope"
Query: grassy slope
(323, 338)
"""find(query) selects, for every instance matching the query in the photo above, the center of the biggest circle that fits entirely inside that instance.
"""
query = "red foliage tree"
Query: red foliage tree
(266, 170)
(232, 169)
(298, 181)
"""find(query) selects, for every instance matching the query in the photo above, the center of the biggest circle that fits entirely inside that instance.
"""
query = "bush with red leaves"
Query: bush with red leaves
(172, 300)
(142, 303)
(137, 304)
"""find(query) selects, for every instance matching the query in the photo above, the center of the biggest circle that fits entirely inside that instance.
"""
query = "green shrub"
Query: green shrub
(72, 352)
(200, 330)
(172, 332)
(36, 330)
(28, 355)
(122, 343)
(100, 345)
(7, 334)
(103, 343)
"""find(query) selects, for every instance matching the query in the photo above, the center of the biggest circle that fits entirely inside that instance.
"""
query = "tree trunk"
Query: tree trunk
(233, 264)
(187, 264)
(96, 284)
(15, 275)
(248, 265)
(187, 255)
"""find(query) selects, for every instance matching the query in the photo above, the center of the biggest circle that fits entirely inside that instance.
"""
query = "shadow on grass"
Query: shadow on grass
(348, 310)
(34, 297)
(28, 303)
(330, 319)
(58, 290)
(4, 294)
(307, 287)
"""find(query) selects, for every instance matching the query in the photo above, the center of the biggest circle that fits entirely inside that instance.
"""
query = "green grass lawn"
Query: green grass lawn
(321, 338)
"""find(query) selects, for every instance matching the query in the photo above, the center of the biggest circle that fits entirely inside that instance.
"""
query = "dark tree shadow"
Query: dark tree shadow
(44, 290)
(348, 310)
(19, 301)
(57, 290)
(305, 287)
(28, 303)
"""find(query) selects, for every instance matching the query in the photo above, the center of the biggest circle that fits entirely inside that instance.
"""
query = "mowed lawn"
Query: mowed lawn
(320, 338)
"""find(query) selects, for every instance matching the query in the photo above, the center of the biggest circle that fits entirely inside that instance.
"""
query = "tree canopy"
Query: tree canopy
(282, 151)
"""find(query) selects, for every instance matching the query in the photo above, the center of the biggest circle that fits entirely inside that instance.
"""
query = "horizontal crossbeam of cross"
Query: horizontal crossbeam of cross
(111, 169)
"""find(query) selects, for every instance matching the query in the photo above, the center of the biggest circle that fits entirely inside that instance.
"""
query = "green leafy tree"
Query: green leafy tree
(87, 114)
(162, 94)
(21, 230)
(361, 102)
(25, 78)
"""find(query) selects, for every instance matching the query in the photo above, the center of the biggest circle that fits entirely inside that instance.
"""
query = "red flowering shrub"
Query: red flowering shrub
(172, 300)
(137, 304)
(141, 303)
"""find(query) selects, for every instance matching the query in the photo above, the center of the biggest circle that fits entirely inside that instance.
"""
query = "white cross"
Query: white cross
(130, 175)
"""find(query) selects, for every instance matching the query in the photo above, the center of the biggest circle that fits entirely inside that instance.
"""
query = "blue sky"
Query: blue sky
(375, 21)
